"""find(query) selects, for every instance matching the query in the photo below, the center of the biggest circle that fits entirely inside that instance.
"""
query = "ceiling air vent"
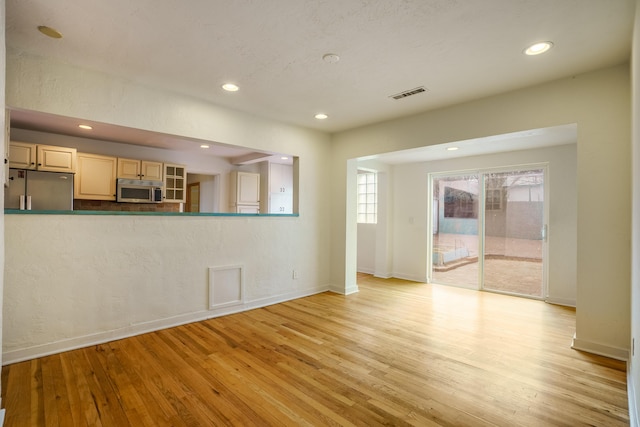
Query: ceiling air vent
(409, 92)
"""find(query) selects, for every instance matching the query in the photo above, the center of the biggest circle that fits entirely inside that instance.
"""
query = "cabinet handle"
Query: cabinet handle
(39, 164)
(5, 161)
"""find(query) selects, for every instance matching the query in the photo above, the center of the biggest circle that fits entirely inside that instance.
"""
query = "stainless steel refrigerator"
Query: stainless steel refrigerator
(39, 190)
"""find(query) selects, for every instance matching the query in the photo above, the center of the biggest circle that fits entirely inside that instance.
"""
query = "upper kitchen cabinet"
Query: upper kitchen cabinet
(139, 169)
(96, 177)
(175, 183)
(22, 155)
(48, 158)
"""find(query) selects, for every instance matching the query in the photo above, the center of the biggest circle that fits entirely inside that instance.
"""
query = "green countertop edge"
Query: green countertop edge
(130, 213)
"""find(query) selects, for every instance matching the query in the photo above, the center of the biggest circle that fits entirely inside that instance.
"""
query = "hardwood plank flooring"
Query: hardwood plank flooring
(396, 353)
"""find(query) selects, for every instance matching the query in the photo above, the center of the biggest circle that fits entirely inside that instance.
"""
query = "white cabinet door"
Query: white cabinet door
(280, 203)
(51, 158)
(56, 159)
(248, 209)
(248, 188)
(128, 168)
(151, 170)
(22, 155)
(280, 178)
(96, 177)
(139, 169)
(244, 192)
(175, 183)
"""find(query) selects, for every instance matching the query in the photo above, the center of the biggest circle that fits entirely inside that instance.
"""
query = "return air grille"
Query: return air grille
(410, 92)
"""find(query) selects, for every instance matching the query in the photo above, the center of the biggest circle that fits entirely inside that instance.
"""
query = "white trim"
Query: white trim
(351, 290)
(344, 291)
(410, 277)
(213, 304)
(600, 349)
(634, 418)
(47, 349)
(567, 302)
(366, 270)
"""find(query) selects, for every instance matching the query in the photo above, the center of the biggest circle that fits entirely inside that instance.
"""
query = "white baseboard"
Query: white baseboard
(600, 349)
(411, 277)
(634, 419)
(561, 301)
(344, 291)
(47, 349)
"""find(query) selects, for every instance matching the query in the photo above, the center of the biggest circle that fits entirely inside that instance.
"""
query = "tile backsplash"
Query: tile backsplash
(106, 205)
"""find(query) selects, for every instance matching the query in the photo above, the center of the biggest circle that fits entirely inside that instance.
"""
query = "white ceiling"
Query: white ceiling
(457, 49)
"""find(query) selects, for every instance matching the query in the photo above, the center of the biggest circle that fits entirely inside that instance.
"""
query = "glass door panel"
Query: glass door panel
(455, 244)
(513, 232)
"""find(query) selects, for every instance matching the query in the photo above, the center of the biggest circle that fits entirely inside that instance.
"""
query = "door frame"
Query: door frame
(544, 166)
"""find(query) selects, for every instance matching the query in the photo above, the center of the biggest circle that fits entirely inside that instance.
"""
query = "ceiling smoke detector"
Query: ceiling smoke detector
(409, 92)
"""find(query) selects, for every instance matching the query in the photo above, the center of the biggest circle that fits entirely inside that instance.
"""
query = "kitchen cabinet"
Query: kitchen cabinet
(47, 158)
(175, 183)
(280, 178)
(244, 192)
(139, 169)
(22, 155)
(280, 188)
(96, 177)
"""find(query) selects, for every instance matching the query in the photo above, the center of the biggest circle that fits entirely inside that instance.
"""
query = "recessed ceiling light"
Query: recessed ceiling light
(284, 158)
(538, 48)
(321, 116)
(331, 58)
(87, 127)
(452, 148)
(230, 87)
(49, 32)
(204, 146)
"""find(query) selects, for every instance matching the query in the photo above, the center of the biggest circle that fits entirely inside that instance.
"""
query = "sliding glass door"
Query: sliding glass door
(514, 232)
(455, 243)
(489, 232)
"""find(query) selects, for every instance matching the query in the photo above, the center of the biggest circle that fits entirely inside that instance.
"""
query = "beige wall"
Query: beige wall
(599, 103)
(633, 385)
(2, 146)
(74, 280)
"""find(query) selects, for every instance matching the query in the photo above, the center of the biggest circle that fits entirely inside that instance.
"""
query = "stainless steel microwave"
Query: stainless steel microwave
(138, 191)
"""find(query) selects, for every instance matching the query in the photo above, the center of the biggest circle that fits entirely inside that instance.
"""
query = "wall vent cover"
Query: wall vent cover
(409, 92)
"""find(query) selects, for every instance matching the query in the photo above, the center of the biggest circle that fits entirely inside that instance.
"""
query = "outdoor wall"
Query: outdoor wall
(72, 280)
(598, 102)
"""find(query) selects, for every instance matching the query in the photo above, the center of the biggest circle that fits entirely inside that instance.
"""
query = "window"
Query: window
(367, 197)
(493, 199)
(459, 204)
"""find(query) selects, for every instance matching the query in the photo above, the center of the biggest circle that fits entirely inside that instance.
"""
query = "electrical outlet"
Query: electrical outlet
(295, 274)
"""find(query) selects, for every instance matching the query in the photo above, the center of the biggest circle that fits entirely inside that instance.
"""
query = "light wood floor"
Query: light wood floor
(396, 353)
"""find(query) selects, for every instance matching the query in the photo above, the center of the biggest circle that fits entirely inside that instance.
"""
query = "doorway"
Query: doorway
(488, 230)
(193, 198)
